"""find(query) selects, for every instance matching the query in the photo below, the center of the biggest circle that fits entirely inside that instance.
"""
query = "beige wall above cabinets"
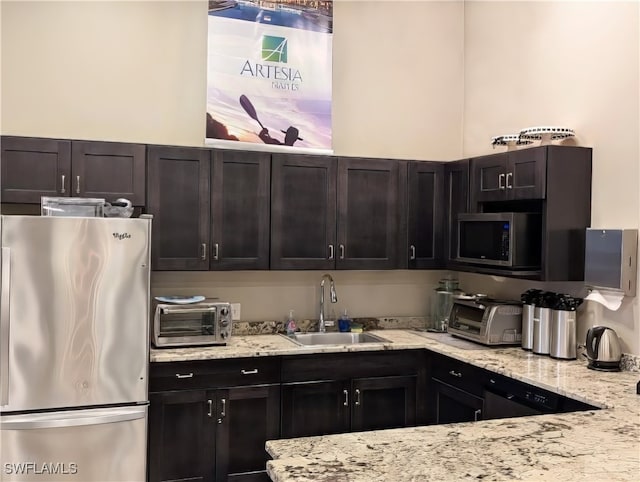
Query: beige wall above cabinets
(135, 71)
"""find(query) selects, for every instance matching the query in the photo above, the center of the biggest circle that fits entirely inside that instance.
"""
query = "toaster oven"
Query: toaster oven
(196, 324)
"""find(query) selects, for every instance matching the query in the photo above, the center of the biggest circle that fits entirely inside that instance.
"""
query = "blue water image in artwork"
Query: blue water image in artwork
(281, 15)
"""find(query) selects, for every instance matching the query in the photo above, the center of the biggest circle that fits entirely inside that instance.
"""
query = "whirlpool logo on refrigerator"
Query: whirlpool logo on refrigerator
(121, 236)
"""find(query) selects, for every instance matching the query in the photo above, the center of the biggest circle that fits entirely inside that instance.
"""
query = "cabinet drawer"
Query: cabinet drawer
(213, 373)
(458, 374)
(344, 366)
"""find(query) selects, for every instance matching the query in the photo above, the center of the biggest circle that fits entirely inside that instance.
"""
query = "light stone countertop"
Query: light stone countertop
(602, 445)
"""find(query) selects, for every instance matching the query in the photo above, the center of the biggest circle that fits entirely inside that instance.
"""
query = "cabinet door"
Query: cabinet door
(426, 208)
(303, 212)
(527, 174)
(315, 408)
(383, 402)
(452, 405)
(178, 198)
(488, 179)
(181, 436)
(456, 176)
(247, 417)
(367, 214)
(240, 210)
(32, 168)
(109, 170)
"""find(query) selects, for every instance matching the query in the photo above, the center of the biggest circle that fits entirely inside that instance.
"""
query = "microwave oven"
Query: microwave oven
(504, 240)
(197, 324)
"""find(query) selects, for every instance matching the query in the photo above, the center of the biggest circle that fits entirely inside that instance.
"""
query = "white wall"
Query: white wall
(574, 64)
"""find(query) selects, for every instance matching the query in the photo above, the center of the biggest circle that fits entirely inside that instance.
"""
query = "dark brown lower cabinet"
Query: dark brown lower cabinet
(329, 407)
(247, 418)
(212, 435)
(383, 402)
(181, 441)
(315, 408)
(452, 405)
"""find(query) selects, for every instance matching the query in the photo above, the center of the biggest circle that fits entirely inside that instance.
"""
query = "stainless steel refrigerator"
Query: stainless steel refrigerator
(74, 348)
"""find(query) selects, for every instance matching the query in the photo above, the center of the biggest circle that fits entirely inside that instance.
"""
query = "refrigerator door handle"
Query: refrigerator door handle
(59, 420)
(4, 326)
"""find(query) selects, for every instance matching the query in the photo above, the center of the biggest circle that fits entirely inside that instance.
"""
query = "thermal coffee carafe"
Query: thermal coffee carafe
(529, 299)
(562, 342)
(542, 323)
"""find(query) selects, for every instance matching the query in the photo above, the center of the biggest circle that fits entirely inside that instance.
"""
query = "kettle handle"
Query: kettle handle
(593, 338)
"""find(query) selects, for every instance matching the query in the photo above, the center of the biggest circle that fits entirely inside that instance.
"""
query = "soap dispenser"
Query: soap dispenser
(344, 323)
(291, 324)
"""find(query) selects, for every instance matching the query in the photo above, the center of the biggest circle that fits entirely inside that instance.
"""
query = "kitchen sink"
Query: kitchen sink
(314, 339)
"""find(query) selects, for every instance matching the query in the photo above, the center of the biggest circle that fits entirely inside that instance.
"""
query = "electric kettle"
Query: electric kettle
(603, 349)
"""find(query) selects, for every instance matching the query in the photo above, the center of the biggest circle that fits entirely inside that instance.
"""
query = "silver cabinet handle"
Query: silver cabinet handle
(216, 251)
(476, 415)
(455, 374)
(500, 179)
(249, 372)
(209, 408)
(77, 184)
(188, 375)
(331, 251)
(341, 246)
(63, 190)
(357, 397)
(412, 249)
(346, 398)
(203, 251)
(223, 412)
(509, 175)
(5, 299)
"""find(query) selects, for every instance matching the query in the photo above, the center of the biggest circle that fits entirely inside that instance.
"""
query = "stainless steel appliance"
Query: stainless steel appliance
(74, 348)
(603, 349)
(505, 398)
(204, 323)
(487, 321)
(562, 339)
(541, 330)
(529, 299)
(510, 240)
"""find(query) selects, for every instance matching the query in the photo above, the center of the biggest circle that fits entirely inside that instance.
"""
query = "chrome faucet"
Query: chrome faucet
(332, 294)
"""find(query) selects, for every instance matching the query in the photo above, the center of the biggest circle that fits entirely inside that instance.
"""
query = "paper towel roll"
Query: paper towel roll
(609, 299)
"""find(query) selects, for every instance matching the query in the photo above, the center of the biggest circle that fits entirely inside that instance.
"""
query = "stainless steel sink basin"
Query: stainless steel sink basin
(314, 339)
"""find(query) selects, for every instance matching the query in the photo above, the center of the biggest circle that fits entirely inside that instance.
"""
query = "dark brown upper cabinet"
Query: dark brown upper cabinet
(330, 213)
(178, 199)
(34, 167)
(424, 203)
(456, 201)
(211, 209)
(508, 176)
(552, 180)
(367, 195)
(109, 170)
(303, 212)
(240, 210)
